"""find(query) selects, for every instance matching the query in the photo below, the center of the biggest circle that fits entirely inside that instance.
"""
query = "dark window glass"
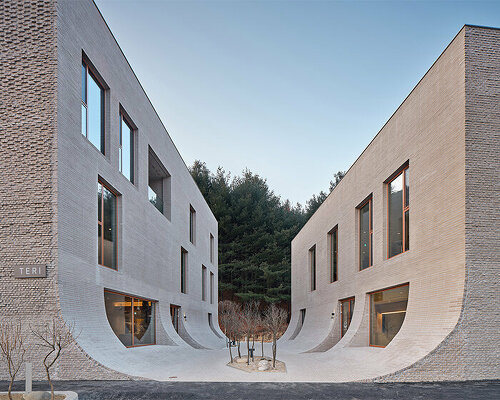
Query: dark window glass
(132, 328)
(203, 283)
(106, 224)
(395, 188)
(407, 230)
(334, 245)
(346, 310)
(387, 313)
(92, 109)
(365, 236)
(174, 315)
(144, 322)
(211, 287)
(126, 152)
(119, 313)
(211, 248)
(192, 224)
(312, 263)
(183, 270)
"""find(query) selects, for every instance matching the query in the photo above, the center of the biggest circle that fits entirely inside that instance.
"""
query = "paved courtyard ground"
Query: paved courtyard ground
(153, 390)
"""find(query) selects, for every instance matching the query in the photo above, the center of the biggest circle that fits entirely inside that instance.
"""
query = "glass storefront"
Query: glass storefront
(132, 319)
(387, 313)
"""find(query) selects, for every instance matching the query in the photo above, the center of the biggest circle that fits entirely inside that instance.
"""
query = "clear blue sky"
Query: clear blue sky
(292, 90)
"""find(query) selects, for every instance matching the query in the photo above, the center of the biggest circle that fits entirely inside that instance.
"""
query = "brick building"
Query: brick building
(399, 268)
(101, 223)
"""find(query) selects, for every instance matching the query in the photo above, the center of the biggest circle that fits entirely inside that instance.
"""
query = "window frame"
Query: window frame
(369, 201)
(212, 248)
(212, 281)
(203, 283)
(133, 297)
(406, 208)
(312, 268)
(89, 71)
(184, 262)
(333, 253)
(192, 224)
(102, 183)
(124, 118)
(370, 294)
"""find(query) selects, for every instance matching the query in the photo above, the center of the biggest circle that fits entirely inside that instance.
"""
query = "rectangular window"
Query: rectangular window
(131, 318)
(365, 234)
(333, 245)
(312, 266)
(158, 184)
(92, 108)
(126, 150)
(184, 261)
(212, 244)
(192, 224)
(106, 226)
(398, 214)
(346, 311)
(387, 313)
(212, 285)
(203, 283)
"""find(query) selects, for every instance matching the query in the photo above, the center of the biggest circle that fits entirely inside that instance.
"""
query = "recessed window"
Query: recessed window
(212, 250)
(387, 313)
(312, 266)
(158, 184)
(184, 261)
(212, 286)
(333, 246)
(192, 224)
(131, 318)
(203, 283)
(174, 315)
(398, 214)
(106, 226)
(365, 234)
(92, 108)
(346, 311)
(126, 149)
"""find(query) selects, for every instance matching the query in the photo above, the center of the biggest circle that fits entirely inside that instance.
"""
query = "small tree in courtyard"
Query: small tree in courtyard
(54, 338)
(275, 321)
(229, 318)
(12, 349)
(249, 323)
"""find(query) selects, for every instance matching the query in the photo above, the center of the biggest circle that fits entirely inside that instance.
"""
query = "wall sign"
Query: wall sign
(30, 271)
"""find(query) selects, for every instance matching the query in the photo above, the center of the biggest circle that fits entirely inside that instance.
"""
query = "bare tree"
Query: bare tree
(12, 349)
(275, 321)
(249, 323)
(54, 338)
(229, 316)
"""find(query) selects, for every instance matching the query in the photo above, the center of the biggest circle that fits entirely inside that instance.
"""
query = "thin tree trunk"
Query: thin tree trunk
(50, 383)
(239, 351)
(248, 350)
(230, 353)
(274, 351)
(253, 347)
(262, 343)
(10, 388)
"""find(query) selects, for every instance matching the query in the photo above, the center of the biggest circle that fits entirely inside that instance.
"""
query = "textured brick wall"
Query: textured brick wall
(472, 351)
(28, 176)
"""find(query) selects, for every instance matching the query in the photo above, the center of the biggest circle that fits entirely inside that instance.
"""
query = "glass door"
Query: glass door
(346, 310)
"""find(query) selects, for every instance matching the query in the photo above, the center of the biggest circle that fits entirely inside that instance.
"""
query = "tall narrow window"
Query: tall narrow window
(92, 108)
(192, 224)
(212, 286)
(158, 184)
(346, 311)
(387, 313)
(365, 234)
(333, 245)
(212, 244)
(131, 318)
(184, 255)
(203, 283)
(398, 214)
(106, 226)
(312, 266)
(126, 150)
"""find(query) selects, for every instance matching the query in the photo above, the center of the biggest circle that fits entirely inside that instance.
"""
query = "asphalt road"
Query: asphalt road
(152, 390)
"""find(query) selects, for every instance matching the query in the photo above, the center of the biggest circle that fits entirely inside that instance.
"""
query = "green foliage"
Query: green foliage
(255, 231)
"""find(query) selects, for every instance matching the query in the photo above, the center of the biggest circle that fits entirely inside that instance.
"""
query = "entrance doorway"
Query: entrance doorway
(174, 314)
(346, 310)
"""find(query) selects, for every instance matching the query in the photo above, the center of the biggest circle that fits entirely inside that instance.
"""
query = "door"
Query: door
(174, 314)
(346, 310)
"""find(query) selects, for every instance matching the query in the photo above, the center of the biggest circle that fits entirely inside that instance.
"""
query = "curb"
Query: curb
(69, 395)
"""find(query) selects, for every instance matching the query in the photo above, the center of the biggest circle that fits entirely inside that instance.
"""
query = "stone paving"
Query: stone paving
(138, 390)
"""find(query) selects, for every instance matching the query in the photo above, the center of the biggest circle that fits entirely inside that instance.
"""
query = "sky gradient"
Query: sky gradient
(292, 90)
